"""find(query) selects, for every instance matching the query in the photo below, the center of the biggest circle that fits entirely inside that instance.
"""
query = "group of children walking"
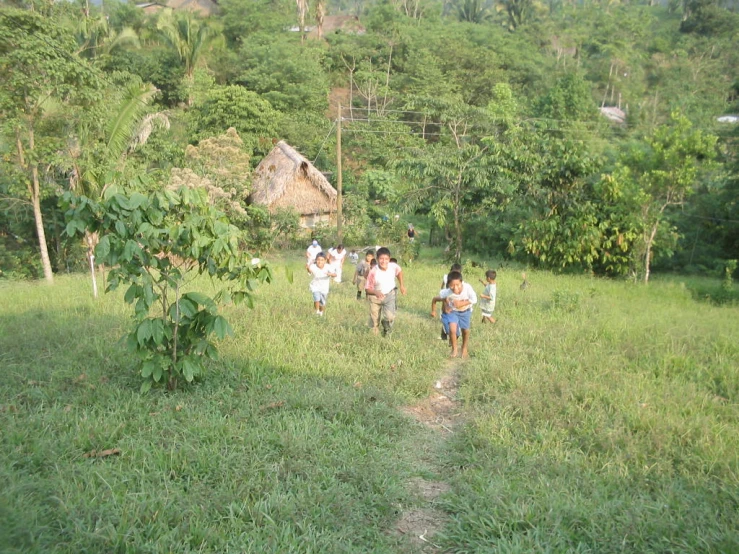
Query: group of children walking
(377, 274)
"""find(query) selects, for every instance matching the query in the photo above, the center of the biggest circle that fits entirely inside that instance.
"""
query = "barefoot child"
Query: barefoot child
(321, 281)
(458, 299)
(487, 305)
(361, 272)
(455, 267)
(380, 290)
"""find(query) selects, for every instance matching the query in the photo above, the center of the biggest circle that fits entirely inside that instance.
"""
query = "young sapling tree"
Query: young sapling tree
(155, 244)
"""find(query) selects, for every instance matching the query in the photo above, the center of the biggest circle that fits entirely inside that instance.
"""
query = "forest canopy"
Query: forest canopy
(573, 136)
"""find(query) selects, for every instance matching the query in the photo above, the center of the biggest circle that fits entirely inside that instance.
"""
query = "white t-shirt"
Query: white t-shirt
(313, 251)
(337, 257)
(468, 293)
(384, 281)
(321, 279)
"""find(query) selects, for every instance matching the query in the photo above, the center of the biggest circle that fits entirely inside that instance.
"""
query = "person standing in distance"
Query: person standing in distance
(310, 254)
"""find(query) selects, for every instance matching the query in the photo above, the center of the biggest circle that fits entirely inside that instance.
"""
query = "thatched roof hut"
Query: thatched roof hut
(286, 179)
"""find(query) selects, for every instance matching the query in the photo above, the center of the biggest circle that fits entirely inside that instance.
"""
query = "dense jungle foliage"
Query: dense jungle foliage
(479, 121)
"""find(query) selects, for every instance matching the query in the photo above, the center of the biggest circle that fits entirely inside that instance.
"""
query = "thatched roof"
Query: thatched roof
(285, 179)
(201, 7)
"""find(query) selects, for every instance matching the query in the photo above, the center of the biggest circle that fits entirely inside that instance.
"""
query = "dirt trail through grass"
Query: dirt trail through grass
(441, 414)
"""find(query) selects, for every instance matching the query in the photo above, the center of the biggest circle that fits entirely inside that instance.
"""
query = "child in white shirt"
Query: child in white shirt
(319, 286)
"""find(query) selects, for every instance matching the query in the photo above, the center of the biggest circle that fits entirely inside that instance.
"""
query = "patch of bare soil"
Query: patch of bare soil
(440, 412)
(420, 526)
(429, 490)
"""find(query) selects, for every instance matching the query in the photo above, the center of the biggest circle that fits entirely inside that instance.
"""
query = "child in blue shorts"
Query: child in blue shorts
(319, 286)
(458, 299)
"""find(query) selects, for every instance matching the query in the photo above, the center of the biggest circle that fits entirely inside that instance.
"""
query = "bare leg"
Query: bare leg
(465, 341)
(317, 306)
(453, 339)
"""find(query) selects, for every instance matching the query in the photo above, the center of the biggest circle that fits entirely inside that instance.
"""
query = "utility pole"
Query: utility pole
(339, 230)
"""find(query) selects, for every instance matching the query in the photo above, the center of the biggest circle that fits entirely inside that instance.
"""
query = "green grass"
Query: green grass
(599, 417)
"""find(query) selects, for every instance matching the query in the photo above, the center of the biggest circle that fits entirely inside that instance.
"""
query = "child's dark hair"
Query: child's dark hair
(491, 274)
(382, 252)
(373, 262)
(456, 267)
(393, 261)
(320, 255)
(453, 276)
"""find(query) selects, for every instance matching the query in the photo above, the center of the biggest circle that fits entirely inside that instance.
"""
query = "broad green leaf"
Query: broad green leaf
(289, 274)
(103, 248)
(202, 300)
(145, 387)
(137, 200)
(143, 333)
(221, 327)
(72, 227)
(157, 331)
(131, 293)
(189, 369)
(148, 367)
(187, 308)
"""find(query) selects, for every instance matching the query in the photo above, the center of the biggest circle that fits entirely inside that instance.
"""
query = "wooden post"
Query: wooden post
(339, 230)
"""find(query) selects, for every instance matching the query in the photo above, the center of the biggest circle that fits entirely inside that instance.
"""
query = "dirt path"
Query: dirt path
(441, 413)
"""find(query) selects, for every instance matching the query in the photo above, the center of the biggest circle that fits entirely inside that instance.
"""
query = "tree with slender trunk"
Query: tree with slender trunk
(320, 13)
(302, 12)
(40, 72)
(188, 36)
(659, 175)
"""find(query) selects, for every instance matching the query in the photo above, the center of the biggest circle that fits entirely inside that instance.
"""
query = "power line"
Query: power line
(320, 149)
(710, 218)
(410, 133)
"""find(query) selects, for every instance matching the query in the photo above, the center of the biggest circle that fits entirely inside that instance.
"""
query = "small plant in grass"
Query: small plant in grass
(565, 300)
(727, 284)
(155, 243)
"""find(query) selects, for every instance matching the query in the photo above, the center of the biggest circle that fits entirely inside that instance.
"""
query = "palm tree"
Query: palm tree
(519, 11)
(95, 37)
(188, 35)
(128, 128)
(472, 11)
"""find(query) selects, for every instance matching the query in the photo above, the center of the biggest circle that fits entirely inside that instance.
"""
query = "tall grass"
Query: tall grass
(600, 417)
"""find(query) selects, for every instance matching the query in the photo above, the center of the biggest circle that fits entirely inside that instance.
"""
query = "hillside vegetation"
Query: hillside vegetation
(482, 118)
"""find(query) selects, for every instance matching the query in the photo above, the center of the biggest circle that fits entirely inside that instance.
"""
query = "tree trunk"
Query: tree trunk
(34, 190)
(648, 253)
(36, 201)
(457, 222)
(92, 239)
(91, 257)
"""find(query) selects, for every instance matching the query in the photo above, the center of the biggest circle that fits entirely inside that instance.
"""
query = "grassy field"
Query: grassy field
(598, 417)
